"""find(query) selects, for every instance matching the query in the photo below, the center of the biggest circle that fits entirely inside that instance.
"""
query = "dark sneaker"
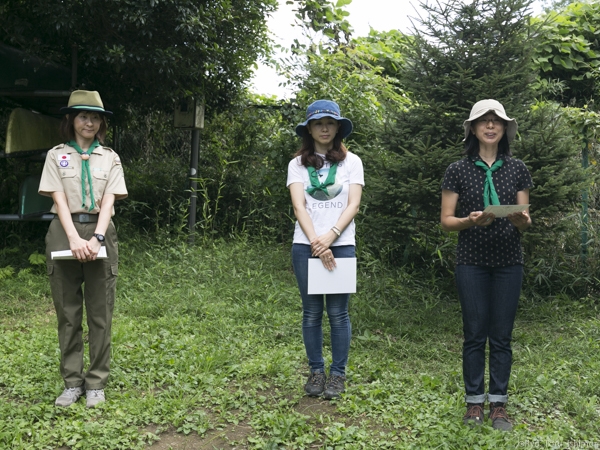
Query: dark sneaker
(69, 396)
(474, 415)
(499, 418)
(334, 387)
(315, 385)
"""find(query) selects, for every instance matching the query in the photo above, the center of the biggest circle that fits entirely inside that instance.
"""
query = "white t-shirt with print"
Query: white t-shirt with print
(325, 209)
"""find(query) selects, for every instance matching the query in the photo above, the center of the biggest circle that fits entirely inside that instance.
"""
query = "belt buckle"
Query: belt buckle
(84, 218)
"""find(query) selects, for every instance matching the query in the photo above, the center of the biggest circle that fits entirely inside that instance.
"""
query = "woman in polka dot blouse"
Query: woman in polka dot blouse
(489, 258)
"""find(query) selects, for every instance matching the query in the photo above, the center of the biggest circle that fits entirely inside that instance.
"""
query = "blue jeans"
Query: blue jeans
(312, 314)
(488, 297)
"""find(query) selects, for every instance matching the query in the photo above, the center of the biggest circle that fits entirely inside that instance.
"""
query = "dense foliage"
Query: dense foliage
(145, 53)
(409, 100)
(568, 54)
(407, 96)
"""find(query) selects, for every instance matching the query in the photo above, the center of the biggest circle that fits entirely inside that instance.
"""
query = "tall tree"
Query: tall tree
(462, 53)
(145, 52)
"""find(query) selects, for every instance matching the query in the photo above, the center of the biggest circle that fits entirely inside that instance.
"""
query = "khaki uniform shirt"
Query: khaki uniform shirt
(62, 173)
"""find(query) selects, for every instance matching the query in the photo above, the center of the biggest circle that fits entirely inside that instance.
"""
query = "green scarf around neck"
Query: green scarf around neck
(315, 184)
(489, 191)
(85, 171)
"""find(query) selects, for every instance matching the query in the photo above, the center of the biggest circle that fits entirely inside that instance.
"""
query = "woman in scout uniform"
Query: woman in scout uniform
(84, 179)
(489, 259)
(325, 182)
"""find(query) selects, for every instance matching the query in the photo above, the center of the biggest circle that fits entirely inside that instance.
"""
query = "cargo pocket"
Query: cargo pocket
(111, 284)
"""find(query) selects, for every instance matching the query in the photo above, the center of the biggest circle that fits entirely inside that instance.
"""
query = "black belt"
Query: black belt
(85, 218)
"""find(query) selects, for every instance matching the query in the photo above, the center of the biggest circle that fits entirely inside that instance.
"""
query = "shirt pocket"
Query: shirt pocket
(67, 172)
(100, 178)
(70, 179)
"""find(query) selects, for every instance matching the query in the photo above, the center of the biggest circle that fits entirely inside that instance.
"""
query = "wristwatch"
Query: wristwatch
(100, 237)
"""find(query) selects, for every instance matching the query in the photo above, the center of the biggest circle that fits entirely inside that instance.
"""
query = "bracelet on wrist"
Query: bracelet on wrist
(337, 231)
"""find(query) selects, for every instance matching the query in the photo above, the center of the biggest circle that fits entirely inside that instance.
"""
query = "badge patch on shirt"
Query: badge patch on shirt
(63, 157)
(64, 163)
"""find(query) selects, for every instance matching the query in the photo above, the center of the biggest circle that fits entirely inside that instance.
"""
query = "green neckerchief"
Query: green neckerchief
(85, 171)
(315, 184)
(489, 191)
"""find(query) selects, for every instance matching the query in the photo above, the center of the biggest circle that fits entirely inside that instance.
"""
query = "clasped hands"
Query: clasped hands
(83, 250)
(320, 248)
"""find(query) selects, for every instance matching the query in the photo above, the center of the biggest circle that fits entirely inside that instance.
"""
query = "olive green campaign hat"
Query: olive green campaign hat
(85, 101)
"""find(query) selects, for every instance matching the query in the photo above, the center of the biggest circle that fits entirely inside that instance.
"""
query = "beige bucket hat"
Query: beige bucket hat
(485, 106)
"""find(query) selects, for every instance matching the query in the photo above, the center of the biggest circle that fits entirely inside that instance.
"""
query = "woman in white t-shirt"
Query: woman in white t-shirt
(325, 182)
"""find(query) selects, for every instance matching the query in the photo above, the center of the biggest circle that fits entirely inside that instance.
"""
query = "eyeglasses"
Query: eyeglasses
(494, 120)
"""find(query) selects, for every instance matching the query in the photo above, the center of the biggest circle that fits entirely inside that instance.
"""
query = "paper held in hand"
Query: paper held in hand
(341, 280)
(67, 254)
(505, 210)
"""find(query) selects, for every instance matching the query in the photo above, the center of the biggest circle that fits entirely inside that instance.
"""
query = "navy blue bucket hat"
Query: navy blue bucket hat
(325, 108)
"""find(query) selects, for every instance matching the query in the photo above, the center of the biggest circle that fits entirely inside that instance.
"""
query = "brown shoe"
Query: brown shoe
(499, 418)
(474, 415)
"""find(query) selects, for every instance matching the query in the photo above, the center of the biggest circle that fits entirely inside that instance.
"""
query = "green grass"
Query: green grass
(207, 349)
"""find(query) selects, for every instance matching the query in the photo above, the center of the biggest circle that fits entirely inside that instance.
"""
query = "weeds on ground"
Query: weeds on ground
(207, 339)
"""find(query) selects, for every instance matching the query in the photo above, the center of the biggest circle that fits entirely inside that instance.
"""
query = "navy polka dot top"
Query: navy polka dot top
(499, 244)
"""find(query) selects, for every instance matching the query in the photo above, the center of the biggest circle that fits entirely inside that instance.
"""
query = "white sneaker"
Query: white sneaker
(94, 396)
(69, 396)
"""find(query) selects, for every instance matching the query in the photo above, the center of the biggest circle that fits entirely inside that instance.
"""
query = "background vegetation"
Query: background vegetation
(146, 54)
(207, 341)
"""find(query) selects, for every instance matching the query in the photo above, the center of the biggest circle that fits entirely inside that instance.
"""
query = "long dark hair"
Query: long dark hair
(67, 129)
(472, 145)
(308, 157)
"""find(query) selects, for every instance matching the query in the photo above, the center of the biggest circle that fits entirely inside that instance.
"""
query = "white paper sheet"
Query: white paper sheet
(505, 210)
(67, 254)
(341, 280)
